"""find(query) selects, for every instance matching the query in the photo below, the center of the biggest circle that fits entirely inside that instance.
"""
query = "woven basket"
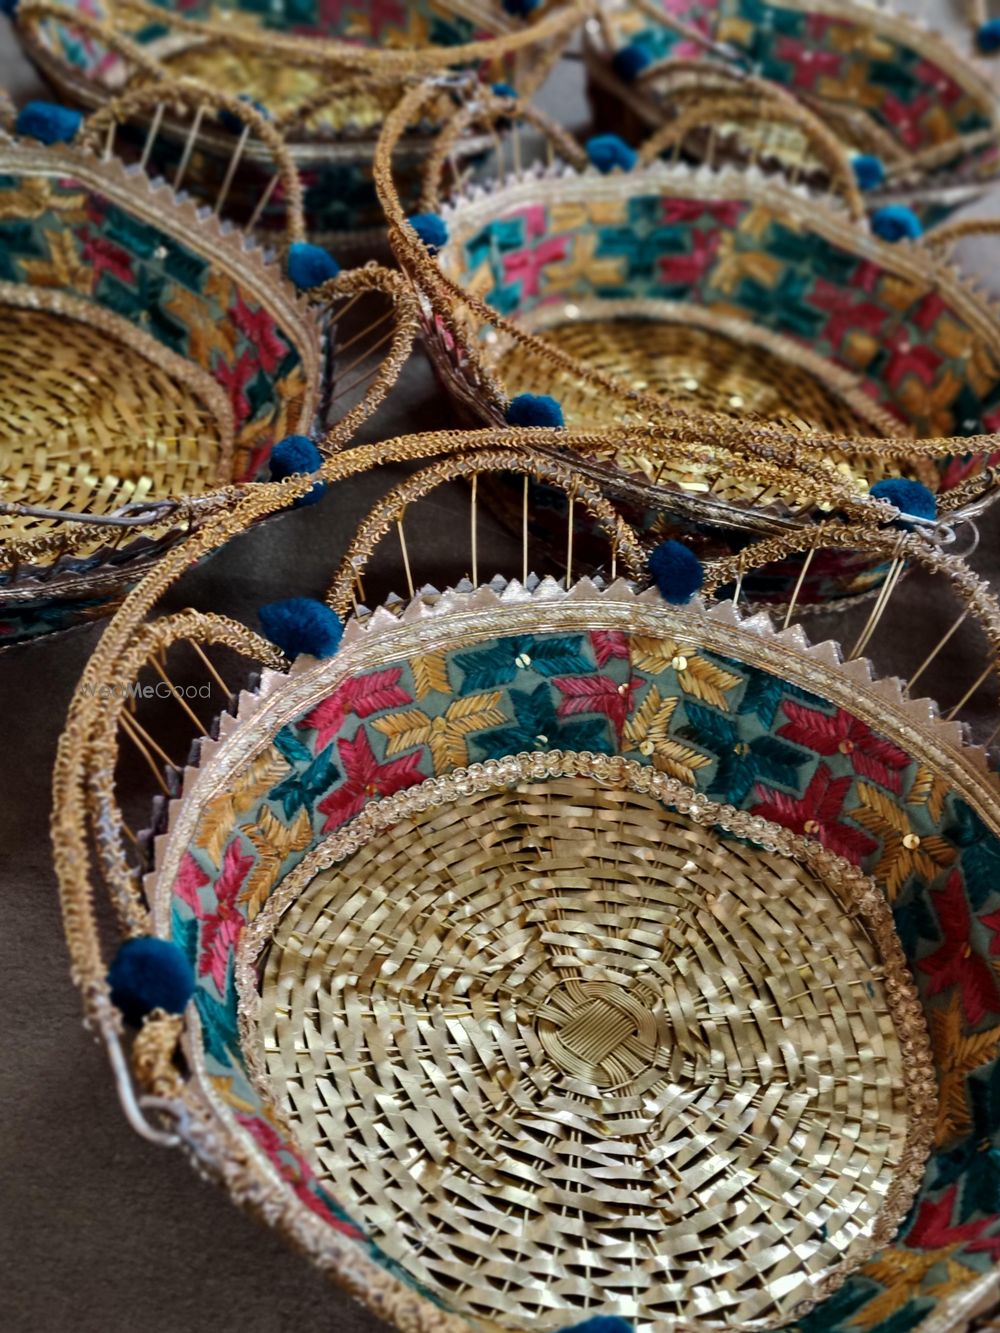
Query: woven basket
(151, 357)
(665, 292)
(327, 75)
(884, 83)
(545, 964)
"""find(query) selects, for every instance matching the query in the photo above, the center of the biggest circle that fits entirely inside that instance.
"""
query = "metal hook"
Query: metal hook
(132, 1105)
(137, 513)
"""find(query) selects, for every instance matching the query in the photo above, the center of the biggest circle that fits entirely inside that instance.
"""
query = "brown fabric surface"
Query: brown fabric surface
(101, 1232)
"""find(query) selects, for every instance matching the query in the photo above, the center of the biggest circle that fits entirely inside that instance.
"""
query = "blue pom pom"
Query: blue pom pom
(868, 171)
(534, 409)
(432, 230)
(302, 625)
(896, 222)
(293, 455)
(8, 7)
(630, 61)
(520, 8)
(988, 37)
(608, 151)
(230, 121)
(676, 571)
(48, 122)
(909, 497)
(603, 1323)
(504, 90)
(147, 974)
(310, 265)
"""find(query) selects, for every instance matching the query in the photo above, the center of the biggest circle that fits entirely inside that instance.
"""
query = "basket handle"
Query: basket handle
(483, 110)
(762, 102)
(335, 54)
(195, 97)
(7, 113)
(943, 238)
(519, 458)
(347, 287)
(919, 546)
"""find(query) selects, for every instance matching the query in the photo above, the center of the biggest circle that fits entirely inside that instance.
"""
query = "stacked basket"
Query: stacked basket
(153, 357)
(714, 302)
(325, 74)
(532, 930)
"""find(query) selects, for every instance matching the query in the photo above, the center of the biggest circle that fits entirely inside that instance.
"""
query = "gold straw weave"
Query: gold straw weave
(559, 1046)
(88, 423)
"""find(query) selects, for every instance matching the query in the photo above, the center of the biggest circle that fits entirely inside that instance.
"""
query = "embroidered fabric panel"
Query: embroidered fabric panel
(916, 355)
(60, 235)
(737, 733)
(835, 59)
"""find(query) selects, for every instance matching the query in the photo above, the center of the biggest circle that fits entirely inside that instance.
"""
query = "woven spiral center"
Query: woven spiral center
(599, 1032)
(560, 1049)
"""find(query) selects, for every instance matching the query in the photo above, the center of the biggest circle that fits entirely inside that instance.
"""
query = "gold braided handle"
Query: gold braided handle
(760, 103)
(518, 459)
(483, 110)
(7, 112)
(943, 238)
(555, 24)
(889, 544)
(189, 95)
(336, 296)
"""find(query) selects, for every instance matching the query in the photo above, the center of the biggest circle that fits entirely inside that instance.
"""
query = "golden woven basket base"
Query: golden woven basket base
(558, 1047)
(693, 368)
(88, 424)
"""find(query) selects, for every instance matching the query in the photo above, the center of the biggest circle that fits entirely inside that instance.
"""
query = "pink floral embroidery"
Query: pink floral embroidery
(259, 328)
(234, 380)
(689, 268)
(222, 928)
(525, 266)
(190, 878)
(809, 65)
(361, 696)
(365, 778)
(608, 643)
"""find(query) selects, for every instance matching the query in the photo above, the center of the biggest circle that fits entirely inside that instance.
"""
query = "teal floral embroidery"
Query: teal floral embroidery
(309, 778)
(218, 1025)
(501, 662)
(976, 1164)
(915, 922)
(837, 1310)
(184, 933)
(980, 854)
(742, 761)
(539, 728)
(764, 693)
